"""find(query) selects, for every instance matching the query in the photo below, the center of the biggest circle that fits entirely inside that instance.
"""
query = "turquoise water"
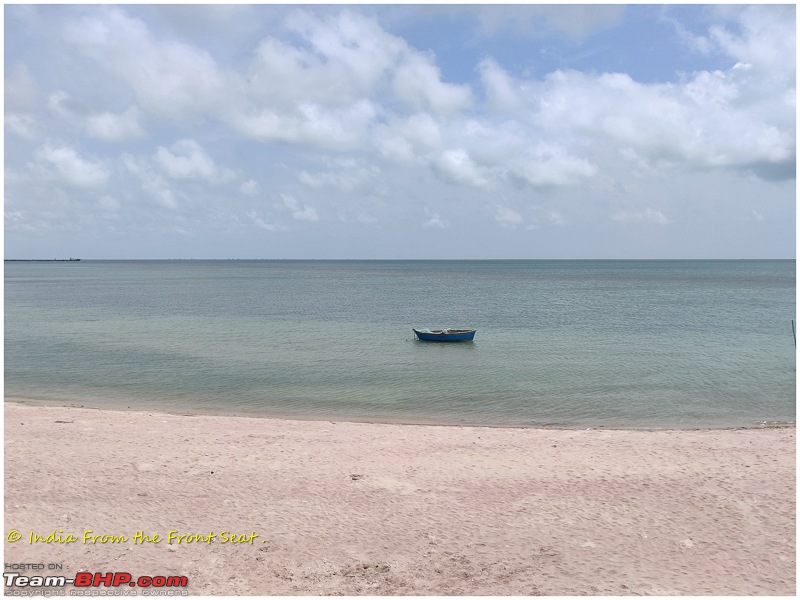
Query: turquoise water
(559, 343)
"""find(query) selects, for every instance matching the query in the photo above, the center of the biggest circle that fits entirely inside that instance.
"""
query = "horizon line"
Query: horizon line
(72, 259)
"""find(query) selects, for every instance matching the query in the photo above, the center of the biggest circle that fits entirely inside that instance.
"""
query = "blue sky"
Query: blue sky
(400, 131)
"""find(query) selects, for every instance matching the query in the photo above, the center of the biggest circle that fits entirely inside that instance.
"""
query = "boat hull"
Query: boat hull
(445, 335)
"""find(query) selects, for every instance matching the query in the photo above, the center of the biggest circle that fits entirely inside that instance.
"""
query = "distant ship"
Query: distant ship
(42, 259)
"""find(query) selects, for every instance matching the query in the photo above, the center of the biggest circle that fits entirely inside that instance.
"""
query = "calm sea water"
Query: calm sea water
(559, 343)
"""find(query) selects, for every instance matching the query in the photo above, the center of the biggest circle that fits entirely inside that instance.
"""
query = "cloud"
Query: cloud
(300, 213)
(340, 81)
(409, 139)
(348, 53)
(765, 37)
(319, 92)
(741, 118)
(545, 165)
(152, 182)
(334, 61)
(63, 163)
(646, 215)
(249, 188)
(22, 125)
(712, 120)
(178, 178)
(105, 126)
(169, 78)
(417, 82)
(349, 57)
(186, 159)
(111, 127)
(507, 217)
(501, 90)
(62, 105)
(324, 92)
(458, 167)
(346, 175)
(337, 128)
(340, 115)
(436, 221)
(261, 223)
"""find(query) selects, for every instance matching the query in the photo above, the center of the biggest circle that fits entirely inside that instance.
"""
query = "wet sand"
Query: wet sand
(331, 508)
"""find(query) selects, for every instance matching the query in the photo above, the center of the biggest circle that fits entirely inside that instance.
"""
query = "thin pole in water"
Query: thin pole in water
(794, 335)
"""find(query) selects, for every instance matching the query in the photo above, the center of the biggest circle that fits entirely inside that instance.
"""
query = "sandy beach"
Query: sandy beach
(247, 506)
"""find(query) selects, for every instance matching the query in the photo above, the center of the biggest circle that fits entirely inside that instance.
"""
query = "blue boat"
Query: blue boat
(445, 335)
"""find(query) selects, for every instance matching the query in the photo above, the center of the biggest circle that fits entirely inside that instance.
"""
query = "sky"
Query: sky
(399, 131)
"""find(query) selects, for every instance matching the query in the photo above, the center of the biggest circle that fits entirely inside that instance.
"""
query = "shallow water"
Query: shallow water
(559, 343)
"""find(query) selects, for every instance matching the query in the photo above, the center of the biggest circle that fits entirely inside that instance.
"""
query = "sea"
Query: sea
(559, 343)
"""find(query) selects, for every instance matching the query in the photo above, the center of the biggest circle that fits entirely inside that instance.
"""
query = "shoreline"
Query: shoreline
(25, 401)
(343, 508)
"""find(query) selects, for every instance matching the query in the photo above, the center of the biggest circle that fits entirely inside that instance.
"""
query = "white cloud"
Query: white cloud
(186, 159)
(341, 60)
(457, 167)
(646, 215)
(706, 122)
(394, 147)
(326, 109)
(409, 139)
(22, 125)
(507, 217)
(501, 89)
(15, 220)
(417, 82)
(299, 212)
(65, 164)
(546, 165)
(346, 174)
(423, 131)
(337, 85)
(62, 105)
(249, 188)
(111, 127)
(337, 128)
(348, 59)
(352, 53)
(106, 126)
(766, 38)
(152, 183)
(436, 221)
(261, 223)
(169, 78)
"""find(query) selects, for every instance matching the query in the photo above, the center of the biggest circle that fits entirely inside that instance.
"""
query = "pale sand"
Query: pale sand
(363, 509)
